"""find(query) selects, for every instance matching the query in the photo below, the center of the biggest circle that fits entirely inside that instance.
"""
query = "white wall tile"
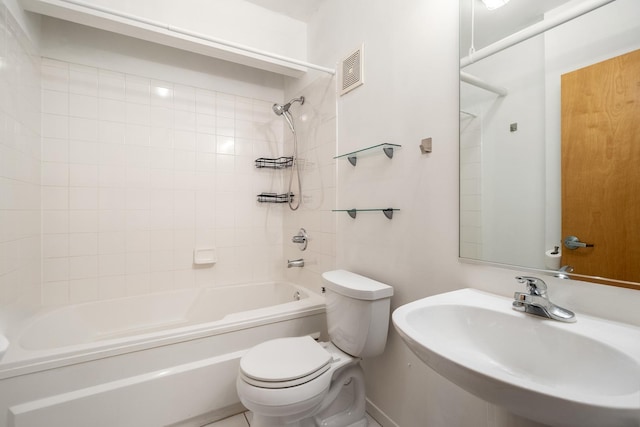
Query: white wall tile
(55, 293)
(83, 221)
(85, 152)
(55, 174)
(83, 80)
(111, 264)
(111, 85)
(83, 175)
(184, 98)
(81, 244)
(55, 150)
(138, 90)
(141, 171)
(55, 221)
(55, 77)
(161, 94)
(112, 110)
(111, 242)
(55, 102)
(111, 287)
(85, 129)
(55, 245)
(205, 102)
(83, 290)
(83, 106)
(55, 269)
(138, 114)
(83, 267)
(55, 198)
(83, 198)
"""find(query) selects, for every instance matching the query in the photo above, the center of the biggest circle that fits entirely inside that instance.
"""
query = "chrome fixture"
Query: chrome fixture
(572, 242)
(562, 272)
(283, 110)
(301, 239)
(295, 263)
(536, 301)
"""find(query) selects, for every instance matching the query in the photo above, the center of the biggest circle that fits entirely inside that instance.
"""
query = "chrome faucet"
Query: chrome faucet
(295, 263)
(536, 301)
(563, 272)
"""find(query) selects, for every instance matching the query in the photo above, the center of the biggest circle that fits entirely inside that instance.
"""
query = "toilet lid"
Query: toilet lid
(284, 359)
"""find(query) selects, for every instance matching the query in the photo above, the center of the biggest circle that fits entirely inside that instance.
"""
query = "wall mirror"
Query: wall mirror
(550, 137)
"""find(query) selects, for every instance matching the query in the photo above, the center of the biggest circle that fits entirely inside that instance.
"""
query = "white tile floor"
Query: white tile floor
(242, 420)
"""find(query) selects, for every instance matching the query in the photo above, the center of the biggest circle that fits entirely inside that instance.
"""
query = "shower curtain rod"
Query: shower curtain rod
(195, 35)
(533, 30)
(475, 81)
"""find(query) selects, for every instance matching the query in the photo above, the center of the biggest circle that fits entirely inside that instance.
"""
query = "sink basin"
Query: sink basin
(583, 374)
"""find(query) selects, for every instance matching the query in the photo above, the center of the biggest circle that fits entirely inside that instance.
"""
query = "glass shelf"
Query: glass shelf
(353, 156)
(388, 212)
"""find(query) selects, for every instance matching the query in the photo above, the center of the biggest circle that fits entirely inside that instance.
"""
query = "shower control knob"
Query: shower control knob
(301, 239)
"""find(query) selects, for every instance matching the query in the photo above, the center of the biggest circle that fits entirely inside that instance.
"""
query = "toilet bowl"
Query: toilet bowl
(297, 382)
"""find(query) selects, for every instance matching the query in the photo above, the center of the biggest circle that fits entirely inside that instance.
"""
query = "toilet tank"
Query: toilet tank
(357, 312)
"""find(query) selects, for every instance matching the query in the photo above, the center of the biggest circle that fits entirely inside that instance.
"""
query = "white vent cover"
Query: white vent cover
(351, 71)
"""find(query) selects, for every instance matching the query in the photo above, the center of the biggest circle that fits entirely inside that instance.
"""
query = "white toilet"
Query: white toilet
(295, 382)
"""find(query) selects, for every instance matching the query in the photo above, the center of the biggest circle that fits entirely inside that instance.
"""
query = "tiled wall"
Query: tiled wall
(19, 164)
(136, 173)
(316, 129)
(470, 185)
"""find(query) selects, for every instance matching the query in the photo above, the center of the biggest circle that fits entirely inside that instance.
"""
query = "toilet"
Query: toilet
(299, 382)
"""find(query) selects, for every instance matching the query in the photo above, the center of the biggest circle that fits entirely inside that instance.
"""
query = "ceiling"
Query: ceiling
(301, 10)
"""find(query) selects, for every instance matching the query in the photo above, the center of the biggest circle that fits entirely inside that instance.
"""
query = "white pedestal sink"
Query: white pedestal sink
(583, 374)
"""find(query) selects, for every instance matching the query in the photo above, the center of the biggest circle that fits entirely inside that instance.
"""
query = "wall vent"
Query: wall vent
(351, 71)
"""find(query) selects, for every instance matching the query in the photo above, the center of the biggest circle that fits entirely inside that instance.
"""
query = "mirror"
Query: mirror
(523, 179)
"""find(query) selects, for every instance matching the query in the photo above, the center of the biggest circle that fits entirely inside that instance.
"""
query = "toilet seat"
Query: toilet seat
(284, 362)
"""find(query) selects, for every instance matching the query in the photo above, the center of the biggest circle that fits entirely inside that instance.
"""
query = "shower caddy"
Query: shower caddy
(274, 163)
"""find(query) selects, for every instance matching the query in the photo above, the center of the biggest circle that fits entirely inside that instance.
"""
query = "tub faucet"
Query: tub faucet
(536, 301)
(295, 263)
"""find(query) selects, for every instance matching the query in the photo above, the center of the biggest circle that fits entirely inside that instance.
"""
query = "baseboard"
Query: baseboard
(378, 415)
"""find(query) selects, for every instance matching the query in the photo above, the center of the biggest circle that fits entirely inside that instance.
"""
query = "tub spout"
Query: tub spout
(295, 263)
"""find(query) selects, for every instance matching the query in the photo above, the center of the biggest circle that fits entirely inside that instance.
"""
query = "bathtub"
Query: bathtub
(163, 359)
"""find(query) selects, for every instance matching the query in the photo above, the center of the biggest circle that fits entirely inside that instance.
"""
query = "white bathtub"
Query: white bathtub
(153, 360)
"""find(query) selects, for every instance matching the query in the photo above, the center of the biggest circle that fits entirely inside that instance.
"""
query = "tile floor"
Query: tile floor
(242, 420)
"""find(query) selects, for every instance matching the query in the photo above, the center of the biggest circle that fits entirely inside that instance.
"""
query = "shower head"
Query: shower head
(281, 109)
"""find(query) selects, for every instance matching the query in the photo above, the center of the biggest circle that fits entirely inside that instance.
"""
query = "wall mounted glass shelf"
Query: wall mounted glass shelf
(386, 149)
(388, 212)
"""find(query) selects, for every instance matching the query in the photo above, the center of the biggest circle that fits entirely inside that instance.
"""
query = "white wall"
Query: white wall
(19, 164)
(411, 89)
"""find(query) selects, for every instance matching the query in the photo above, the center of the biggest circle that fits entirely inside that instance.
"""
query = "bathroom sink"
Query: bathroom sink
(561, 374)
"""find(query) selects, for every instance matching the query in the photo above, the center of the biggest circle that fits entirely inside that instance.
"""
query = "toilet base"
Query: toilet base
(332, 412)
